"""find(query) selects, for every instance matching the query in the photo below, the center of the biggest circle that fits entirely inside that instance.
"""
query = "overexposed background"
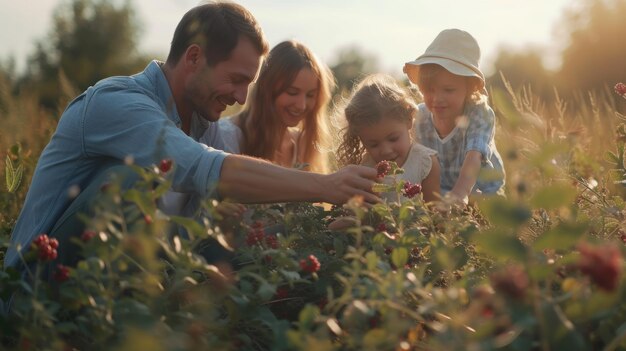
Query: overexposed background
(394, 32)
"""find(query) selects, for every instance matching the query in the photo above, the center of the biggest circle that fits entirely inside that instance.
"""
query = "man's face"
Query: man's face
(212, 89)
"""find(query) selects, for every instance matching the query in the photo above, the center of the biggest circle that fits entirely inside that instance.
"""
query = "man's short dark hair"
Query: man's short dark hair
(216, 27)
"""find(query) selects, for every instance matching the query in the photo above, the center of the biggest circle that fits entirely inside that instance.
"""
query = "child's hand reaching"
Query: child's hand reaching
(457, 199)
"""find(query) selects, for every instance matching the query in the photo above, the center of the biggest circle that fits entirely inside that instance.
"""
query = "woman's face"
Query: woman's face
(389, 140)
(299, 99)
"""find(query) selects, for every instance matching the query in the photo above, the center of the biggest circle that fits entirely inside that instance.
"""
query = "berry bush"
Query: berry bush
(541, 269)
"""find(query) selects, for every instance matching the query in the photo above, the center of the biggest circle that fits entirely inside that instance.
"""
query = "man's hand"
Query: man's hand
(228, 210)
(350, 181)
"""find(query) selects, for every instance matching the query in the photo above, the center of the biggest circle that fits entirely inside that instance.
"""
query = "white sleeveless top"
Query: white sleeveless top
(232, 137)
(417, 166)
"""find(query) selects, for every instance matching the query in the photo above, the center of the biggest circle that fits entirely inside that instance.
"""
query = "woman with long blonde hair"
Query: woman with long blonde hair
(284, 119)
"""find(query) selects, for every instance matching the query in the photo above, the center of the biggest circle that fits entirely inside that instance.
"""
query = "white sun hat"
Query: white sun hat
(455, 50)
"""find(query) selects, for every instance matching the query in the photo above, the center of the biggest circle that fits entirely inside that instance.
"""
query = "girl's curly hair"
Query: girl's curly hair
(376, 97)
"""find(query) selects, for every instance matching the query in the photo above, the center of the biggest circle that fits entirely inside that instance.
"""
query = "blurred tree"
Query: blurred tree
(90, 40)
(596, 54)
(7, 81)
(349, 66)
(523, 68)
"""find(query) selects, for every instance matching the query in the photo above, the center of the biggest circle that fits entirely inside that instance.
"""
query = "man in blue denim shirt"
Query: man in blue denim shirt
(215, 54)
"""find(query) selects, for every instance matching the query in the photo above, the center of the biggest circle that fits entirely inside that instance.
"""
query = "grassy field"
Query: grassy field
(539, 270)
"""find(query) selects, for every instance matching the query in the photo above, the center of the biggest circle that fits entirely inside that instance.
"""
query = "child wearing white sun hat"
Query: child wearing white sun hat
(455, 119)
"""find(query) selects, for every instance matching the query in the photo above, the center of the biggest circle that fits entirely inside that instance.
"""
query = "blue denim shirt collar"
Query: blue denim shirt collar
(154, 73)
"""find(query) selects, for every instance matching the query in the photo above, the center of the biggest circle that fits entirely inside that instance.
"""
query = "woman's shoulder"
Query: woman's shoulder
(229, 122)
(231, 134)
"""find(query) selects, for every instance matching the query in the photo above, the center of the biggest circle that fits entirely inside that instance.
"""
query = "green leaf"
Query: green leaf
(611, 157)
(290, 275)
(375, 339)
(399, 256)
(372, 260)
(382, 187)
(554, 196)
(141, 199)
(13, 175)
(307, 316)
(405, 211)
(65, 327)
(563, 236)
(561, 332)
(16, 149)
(500, 245)
(505, 213)
(266, 290)
(339, 246)
(541, 271)
(192, 226)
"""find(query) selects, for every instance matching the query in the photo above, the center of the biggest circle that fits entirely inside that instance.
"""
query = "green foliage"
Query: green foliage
(539, 269)
(13, 175)
(351, 64)
(402, 275)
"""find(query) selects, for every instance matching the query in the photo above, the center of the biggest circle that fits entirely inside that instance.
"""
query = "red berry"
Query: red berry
(487, 312)
(271, 241)
(45, 247)
(165, 165)
(41, 240)
(603, 264)
(255, 237)
(322, 303)
(282, 293)
(374, 321)
(620, 88)
(310, 264)
(54, 243)
(87, 235)
(148, 219)
(62, 273)
(410, 190)
(47, 253)
(383, 168)
(512, 281)
(381, 227)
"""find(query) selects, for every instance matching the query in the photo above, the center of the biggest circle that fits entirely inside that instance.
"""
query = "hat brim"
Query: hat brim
(411, 69)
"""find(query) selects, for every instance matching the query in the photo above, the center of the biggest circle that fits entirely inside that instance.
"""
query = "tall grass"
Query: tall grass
(525, 125)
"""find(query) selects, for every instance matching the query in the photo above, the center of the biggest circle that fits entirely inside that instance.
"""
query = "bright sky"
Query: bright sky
(394, 31)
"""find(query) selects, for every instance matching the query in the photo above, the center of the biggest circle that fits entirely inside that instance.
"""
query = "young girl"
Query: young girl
(284, 120)
(455, 119)
(379, 116)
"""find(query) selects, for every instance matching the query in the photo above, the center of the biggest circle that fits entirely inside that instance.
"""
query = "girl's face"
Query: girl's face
(389, 139)
(299, 99)
(445, 97)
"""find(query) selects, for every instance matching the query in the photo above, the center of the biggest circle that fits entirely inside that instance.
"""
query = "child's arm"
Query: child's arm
(479, 136)
(431, 185)
(468, 176)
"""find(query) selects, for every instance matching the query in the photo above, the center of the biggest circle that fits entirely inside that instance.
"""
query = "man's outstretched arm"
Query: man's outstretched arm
(250, 180)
